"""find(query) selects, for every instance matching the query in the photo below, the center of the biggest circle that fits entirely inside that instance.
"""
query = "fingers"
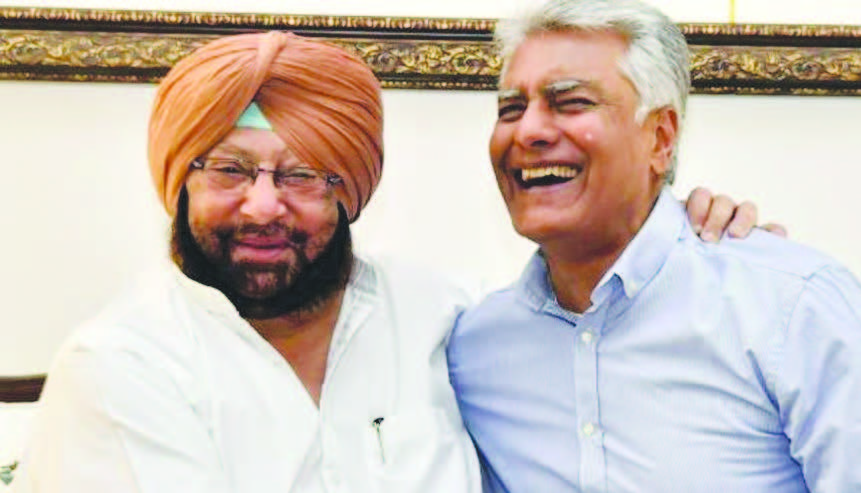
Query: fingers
(719, 215)
(775, 228)
(699, 202)
(743, 221)
(712, 215)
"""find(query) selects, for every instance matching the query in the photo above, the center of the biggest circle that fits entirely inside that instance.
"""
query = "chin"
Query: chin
(540, 229)
(258, 285)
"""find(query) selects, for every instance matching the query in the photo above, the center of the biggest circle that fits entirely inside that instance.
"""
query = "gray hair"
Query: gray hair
(657, 62)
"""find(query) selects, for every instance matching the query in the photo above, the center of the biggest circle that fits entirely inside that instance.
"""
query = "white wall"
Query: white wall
(796, 157)
(80, 215)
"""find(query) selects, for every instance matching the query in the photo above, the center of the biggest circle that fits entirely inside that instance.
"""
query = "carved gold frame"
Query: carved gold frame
(21, 389)
(414, 53)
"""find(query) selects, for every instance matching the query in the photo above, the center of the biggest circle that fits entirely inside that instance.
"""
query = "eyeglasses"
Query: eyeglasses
(236, 175)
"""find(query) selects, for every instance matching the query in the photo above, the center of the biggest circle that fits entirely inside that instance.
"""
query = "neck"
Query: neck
(577, 265)
(303, 339)
(574, 279)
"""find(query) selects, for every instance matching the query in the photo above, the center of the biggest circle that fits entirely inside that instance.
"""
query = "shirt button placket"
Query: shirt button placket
(586, 337)
(586, 377)
(331, 474)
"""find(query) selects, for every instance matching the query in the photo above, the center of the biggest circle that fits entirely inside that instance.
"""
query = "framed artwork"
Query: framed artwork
(411, 53)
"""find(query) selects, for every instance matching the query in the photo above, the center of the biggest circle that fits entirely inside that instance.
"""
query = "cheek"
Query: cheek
(206, 213)
(587, 130)
(500, 141)
(318, 220)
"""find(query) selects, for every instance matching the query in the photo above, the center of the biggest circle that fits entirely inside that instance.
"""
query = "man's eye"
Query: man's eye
(228, 167)
(300, 174)
(297, 177)
(573, 103)
(231, 170)
(511, 112)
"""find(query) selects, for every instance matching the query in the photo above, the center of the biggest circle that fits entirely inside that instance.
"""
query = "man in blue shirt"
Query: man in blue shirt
(631, 357)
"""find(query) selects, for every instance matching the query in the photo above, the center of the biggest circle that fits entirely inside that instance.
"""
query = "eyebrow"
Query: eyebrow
(234, 150)
(509, 94)
(228, 148)
(549, 89)
(565, 85)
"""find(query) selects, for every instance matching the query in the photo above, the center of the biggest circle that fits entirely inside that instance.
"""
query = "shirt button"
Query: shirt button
(588, 429)
(587, 337)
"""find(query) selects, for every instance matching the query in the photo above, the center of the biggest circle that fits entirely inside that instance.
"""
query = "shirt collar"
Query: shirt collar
(356, 307)
(211, 299)
(363, 278)
(639, 263)
(534, 285)
(648, 251)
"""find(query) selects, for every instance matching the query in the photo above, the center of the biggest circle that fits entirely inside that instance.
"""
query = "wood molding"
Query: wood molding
(411, 53)
(21, 389)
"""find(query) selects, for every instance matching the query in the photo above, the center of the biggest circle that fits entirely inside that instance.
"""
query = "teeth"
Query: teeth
(560, 171)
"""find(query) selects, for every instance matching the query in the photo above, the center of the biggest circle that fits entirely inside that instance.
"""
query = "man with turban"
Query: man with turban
(267, 356)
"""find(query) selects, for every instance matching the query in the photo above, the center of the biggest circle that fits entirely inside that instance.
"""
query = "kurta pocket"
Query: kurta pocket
(424, 450)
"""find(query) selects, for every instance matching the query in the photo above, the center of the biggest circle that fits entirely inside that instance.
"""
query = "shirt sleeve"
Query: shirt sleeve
(112, 422)
(819, 381)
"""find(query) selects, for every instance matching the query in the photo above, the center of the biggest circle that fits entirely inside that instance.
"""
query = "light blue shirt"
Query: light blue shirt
(724, 368)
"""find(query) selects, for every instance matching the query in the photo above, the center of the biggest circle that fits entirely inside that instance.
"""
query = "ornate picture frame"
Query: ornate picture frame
(411, 53)
(21, 389)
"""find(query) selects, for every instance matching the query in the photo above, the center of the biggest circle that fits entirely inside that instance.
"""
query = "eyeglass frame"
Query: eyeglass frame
(332, 180)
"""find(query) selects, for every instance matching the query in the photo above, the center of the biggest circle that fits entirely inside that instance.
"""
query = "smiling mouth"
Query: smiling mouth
(545, 175)
(261, 252)
(264, 244)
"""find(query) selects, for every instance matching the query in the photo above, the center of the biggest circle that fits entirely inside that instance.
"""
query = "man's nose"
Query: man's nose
(262, 201)
(537, 127)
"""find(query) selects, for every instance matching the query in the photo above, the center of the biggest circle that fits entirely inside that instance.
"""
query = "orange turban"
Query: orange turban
(322, 101)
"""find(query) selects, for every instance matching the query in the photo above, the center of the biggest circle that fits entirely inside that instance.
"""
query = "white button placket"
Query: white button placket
(356, 308)
(332, 478)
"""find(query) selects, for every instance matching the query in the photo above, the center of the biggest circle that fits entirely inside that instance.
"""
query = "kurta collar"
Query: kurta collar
(361, 289)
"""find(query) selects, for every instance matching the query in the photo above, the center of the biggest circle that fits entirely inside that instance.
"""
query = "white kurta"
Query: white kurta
(170, 390)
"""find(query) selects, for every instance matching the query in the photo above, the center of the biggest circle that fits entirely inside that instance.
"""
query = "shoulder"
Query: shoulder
(500, 304)
(765, 254)
(139, 349)
(140, 325)
(400, 279)
(835, 290)
(767, 274)
(518, 304)
(505, 307)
